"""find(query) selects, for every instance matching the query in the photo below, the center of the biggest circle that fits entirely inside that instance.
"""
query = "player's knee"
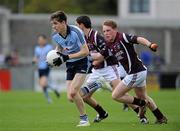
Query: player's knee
(73, 94)
(117, 97)
(86, 98)
(70, 98)
(114, 96)
(141, 95)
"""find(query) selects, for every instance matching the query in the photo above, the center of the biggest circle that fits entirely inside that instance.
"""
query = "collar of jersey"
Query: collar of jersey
(68, 32)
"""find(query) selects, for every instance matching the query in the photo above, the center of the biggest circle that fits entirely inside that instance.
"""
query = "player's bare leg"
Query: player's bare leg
(102, 114)
(160, 118)
(120, 94)
(113, 84)
(87, 92)
(43, 82)
(73, 95)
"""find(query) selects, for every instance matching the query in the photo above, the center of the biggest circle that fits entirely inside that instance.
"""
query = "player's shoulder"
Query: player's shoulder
(75, 29)
(37, 47)
(95, 34)
(48, 45)
(54, 35)
(124, 36)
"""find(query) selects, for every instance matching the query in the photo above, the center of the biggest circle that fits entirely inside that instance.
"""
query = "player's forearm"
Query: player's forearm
(82, 53)
(35, 60)
(97, 58)
(143, 41)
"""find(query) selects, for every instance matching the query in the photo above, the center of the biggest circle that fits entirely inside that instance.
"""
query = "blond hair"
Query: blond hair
(110, 23)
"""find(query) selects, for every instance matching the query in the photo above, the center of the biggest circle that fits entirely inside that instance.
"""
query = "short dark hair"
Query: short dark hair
(110, 23)
(85, 20)
(59, 16)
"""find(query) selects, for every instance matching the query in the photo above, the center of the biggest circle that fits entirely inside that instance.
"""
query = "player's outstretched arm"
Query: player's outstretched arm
(144, 41)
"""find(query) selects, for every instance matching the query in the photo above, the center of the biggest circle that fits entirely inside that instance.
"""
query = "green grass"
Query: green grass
(28, 111)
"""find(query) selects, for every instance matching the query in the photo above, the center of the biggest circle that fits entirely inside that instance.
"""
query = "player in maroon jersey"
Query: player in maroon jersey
(121, 45)
(107, 69)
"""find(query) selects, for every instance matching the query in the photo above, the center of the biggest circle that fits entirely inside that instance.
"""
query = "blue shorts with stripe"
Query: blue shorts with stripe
(82, 66)
(44, 72)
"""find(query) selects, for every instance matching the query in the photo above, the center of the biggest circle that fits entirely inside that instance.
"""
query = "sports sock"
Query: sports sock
(84, 117)
(100, 110)
(157, 113)
(54, 89)
(91, 87)
(138, 102)
(45, 90)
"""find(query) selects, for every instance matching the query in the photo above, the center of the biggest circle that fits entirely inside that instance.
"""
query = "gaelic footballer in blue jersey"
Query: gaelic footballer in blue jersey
(40, 53)
(73, 50)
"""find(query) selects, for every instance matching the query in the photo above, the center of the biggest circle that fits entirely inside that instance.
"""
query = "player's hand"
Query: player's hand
(61, 59)
(33, 62)
(153, 47)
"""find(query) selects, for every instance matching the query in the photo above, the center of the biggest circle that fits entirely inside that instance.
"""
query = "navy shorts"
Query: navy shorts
(82, 66)
(44, 72)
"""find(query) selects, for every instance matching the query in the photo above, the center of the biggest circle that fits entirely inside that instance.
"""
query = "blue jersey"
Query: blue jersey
(72, 42)
(41, 53)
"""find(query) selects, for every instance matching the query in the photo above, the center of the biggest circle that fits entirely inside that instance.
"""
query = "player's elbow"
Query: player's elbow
(85, 53)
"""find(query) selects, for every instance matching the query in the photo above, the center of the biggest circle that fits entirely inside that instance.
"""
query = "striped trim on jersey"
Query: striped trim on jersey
(125, 38)
(114, 67)
(142, 62)
(128, 56)
(95, 38)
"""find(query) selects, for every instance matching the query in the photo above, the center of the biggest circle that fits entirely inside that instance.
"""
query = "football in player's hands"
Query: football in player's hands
(153, 47)
(61, 59)
(55, 58)
(51, 56)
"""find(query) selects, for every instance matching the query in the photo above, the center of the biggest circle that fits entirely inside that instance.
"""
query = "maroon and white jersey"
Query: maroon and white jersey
(123, 49)
(96, 43)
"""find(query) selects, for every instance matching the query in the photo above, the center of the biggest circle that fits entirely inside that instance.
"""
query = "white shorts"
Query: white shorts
(122, 71)
(136, 80)
(109, 73)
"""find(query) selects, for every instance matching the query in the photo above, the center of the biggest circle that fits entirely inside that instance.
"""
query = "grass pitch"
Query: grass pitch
(28, 111)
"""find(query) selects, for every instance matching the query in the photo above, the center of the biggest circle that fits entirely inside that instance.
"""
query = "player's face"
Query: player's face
(58, 26)
(79, 25)
(109, 33)
(41, 41)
